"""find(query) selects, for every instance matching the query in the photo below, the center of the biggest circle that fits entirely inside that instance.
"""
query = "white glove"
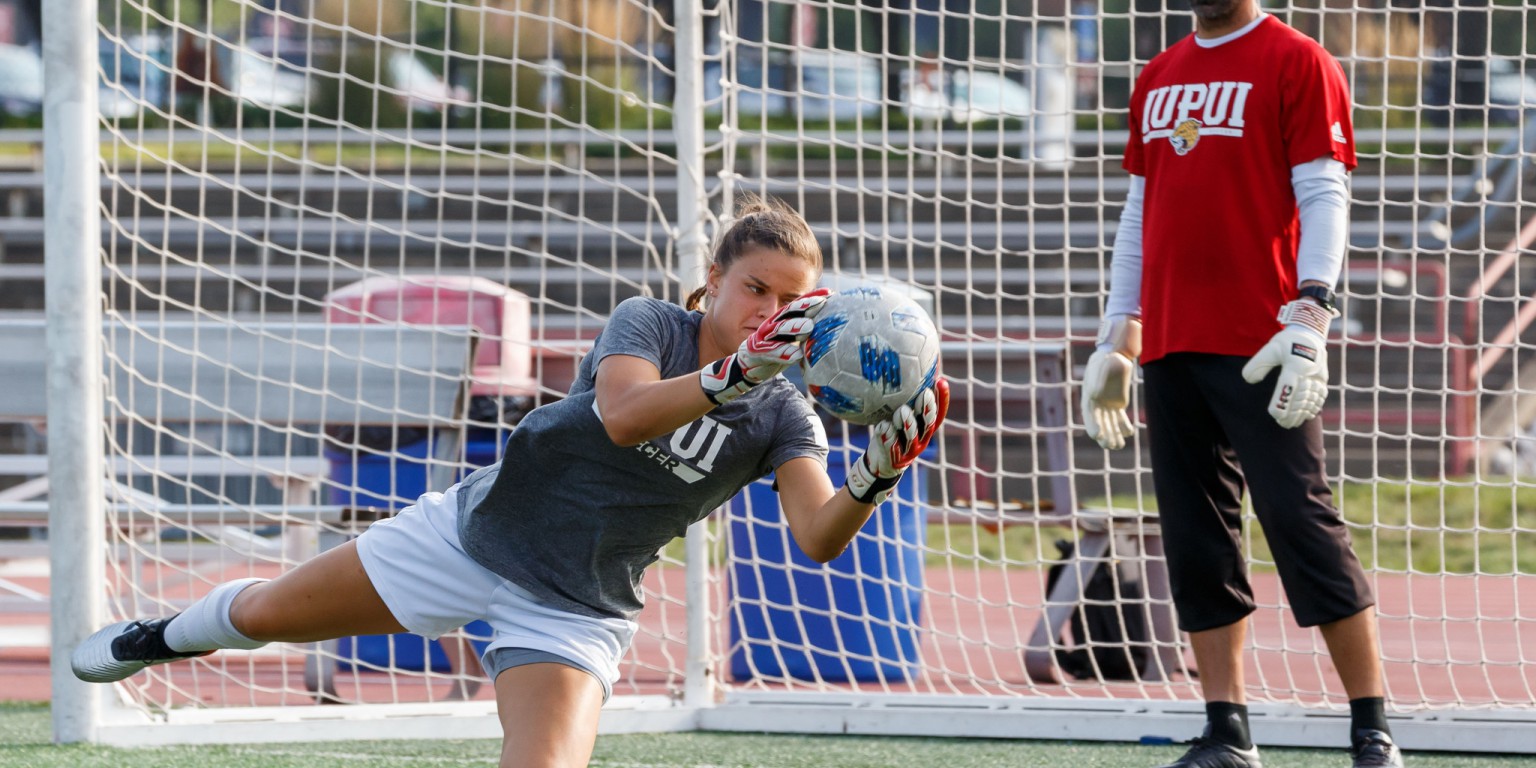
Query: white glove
(1300, 350)
(774, 346)
(1107, 381)
(897, 442)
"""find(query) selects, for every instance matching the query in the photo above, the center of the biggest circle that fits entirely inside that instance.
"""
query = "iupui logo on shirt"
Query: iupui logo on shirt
(692, 450)
(691, 453)
(1184, 114)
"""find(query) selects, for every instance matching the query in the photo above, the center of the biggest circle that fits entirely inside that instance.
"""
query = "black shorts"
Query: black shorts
(1211, 433)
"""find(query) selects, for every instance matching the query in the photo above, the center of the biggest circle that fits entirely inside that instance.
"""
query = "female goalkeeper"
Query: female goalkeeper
(672, 413)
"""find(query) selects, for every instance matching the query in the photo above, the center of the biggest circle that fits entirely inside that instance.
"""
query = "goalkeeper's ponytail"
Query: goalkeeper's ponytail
(761, 223)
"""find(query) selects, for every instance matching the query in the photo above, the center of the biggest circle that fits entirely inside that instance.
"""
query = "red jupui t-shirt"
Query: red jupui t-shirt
(1215, 132)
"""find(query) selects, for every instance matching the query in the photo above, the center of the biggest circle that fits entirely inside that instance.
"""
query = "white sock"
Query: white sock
(206, 626)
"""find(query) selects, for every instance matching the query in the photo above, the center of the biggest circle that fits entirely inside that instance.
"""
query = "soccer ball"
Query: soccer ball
(871, 351)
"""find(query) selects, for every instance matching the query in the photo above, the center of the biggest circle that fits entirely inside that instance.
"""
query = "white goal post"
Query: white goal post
(307, 259)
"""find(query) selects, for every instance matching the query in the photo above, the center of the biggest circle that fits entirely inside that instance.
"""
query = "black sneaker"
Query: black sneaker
(1374, 748)
(121, 649)
(1207, 753)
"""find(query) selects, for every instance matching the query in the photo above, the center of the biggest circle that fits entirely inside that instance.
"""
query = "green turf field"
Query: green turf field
(24, 743)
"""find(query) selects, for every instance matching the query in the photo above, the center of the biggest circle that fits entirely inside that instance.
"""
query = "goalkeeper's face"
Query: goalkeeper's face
(755, 286)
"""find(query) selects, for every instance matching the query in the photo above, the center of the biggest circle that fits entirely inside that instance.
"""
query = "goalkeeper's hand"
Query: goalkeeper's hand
(1107, 381)
(774, 346)
(897, 442)
(1300, 351)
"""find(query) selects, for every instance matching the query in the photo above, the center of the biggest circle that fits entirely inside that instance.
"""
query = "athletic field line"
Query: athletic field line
(420, 759)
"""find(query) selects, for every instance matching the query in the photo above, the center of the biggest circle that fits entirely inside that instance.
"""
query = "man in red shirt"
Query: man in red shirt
(1231, 238)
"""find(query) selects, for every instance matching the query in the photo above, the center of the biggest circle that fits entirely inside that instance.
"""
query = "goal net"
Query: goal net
(346, 245)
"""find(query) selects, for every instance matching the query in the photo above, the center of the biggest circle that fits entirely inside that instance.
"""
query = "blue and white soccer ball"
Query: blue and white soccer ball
(872, 350)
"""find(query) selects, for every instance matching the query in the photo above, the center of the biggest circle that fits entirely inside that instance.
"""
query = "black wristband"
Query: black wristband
(1320, 294)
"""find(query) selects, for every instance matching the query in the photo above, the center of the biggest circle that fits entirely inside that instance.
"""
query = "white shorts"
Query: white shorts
(432, 587)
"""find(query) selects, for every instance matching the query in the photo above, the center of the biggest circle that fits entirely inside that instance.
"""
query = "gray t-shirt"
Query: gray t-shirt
(575, 519)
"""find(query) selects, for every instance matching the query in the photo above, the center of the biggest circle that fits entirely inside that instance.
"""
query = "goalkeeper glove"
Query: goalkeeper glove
(1299, 351)
(774, 346)
(1107, 381)
(897, 442)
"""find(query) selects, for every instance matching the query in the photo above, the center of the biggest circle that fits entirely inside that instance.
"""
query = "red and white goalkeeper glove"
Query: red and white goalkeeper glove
(897, 442)
(1300, 351)
(774, 346)
(1107, 381)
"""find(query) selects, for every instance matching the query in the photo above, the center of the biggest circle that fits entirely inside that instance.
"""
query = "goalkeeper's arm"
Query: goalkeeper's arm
(824, 521)
(1107, 379)
(636, 404)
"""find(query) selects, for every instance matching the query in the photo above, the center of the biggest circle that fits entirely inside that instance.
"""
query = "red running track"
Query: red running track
(1446, 639)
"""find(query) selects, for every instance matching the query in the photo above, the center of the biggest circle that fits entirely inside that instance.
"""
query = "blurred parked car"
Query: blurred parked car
(417, 87)
(268, 73)
(134, 75)
(840, 85)
(21, 83)
(831, 85)
(837, 85)
(761, 87)
(278, 73)
(966, 96)
(1510, 92)
(1035, 114)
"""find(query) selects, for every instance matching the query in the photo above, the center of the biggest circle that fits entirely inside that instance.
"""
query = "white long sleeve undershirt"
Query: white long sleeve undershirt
(1322, 202)
(1125, 263)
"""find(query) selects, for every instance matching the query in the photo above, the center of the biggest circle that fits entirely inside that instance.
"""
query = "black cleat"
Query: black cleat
(1375, 749)
(1206, 753)
(119, 650)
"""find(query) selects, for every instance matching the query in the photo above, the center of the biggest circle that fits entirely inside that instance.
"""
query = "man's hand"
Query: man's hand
(897, 442)
(1107, 381)
(774, 346)
(1300, 351)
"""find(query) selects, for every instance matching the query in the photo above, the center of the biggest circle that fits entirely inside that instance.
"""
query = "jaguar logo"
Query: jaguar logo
(1185, 136)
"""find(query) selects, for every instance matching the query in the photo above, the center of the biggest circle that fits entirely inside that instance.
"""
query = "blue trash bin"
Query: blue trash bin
(856, 618)
(393, 481)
